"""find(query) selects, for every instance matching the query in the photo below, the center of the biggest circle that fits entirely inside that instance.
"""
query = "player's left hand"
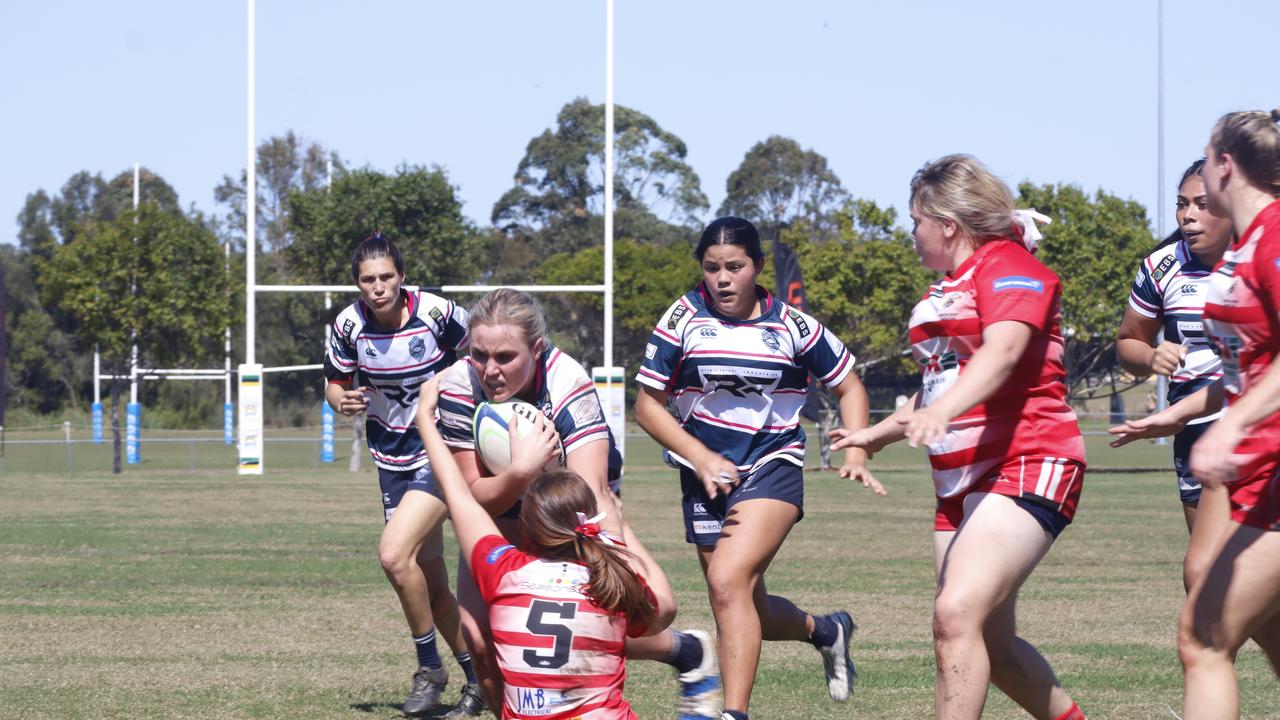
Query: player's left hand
(925, 426)
(1213, 458)
(1153, 426)
(860, 473)
(429, 394)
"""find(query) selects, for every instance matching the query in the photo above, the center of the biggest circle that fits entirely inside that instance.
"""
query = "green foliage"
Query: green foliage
(647, 279)
(151, 278)
(778, 183)
(1094, 245)
(862, 285)
(560, 181)
(416, 207)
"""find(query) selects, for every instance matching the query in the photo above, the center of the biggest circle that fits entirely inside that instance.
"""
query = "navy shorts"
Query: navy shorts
(1188, 485)
(395, 483)
(703, 516)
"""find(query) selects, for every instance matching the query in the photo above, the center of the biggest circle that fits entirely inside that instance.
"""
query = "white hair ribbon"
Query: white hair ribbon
(590, 528)
(1031, 236)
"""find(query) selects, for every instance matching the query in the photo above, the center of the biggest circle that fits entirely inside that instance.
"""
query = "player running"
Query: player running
(736, 362)
(1007, 455)
(1168, 294)
(511, 358)
(561, 605)
(382, 348)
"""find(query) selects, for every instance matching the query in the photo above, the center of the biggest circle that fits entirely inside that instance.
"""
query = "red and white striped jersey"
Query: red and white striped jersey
(1241, 317)
(1028, 416)
(561, 656)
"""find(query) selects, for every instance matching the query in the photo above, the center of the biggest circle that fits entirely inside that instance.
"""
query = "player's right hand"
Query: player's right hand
(717, 474)
(864, 439)
(354, 401)
(1167, 358)
(531, 451)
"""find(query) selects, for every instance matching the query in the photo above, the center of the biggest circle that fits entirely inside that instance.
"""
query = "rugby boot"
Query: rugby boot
(841, 674)
(428, 683)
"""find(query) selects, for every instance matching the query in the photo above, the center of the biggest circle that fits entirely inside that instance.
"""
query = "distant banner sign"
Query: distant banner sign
(132, 431)
(252, 445)
(326, 432)
(96, 422)
(229, 423)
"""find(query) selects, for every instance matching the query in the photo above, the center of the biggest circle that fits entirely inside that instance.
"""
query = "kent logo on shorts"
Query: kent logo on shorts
(1017, 282)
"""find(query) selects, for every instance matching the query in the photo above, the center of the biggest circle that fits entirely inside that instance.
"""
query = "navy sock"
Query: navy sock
(686, 652)
(824, 631)
(426, 645)
(464, 661)
(736, 715)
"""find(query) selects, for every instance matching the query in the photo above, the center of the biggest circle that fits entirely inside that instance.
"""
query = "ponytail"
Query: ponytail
(553, 516)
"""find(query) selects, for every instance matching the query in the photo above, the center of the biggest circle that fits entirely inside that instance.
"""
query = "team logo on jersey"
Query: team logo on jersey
(770, 339)
(436, 315)
(680, 311)
(417, 348)
(1017, 282)
(370, 351)
(739, 381)
(707, 332)
(498, 552)
(1163, 268)
(404, 397)
(1189, 290)
(347, 327)
(938, 363)
(801, 325)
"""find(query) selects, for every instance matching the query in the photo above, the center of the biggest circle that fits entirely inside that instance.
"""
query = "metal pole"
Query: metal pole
(608, 185)
(1162, 383)
(133, 289)
(250, 214)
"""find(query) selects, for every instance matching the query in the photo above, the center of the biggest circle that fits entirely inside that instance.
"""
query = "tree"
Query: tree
(862, 285)
(151, 278)
(653, 277)
(1094, 245)
(285, 164)
(559, 186)
(779, 183)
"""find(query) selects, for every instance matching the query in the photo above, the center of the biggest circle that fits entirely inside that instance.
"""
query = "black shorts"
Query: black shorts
(703, 516)
(395, 483)
(1188, 485)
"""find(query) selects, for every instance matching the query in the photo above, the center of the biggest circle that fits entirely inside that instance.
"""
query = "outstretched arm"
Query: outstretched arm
(856, 414)
(1205, 401)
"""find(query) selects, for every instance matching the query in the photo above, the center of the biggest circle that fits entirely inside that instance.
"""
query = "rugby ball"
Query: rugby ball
(492, 439)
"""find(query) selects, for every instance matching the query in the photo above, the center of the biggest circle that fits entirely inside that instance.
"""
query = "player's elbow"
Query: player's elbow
(664, 613)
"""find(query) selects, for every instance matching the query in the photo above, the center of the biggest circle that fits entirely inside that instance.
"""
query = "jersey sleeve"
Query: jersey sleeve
(818, 350)
(577, 414)
(1144, 296)
(1266, 257)
(637, 627)
(457, 406)
(446, 319)
(1015, 286)
(665, 348)
(492, 558)
(340, 359)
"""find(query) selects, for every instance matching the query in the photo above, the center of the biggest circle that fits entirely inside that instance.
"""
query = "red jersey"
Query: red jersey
(1241, 318)
(561, 656)
(1028, 417)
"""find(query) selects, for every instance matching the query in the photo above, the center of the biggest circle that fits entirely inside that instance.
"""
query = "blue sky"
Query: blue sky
(1061, 92)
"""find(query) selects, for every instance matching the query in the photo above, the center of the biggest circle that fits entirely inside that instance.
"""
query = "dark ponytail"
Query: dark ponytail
(549, 515)
(373, 247)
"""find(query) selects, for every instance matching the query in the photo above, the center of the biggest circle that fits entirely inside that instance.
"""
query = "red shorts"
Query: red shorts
(1049, 483)
(1255, 500)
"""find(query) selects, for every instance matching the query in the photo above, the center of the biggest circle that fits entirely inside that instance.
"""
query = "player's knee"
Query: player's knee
(954, 617)
(396, 563)
(724, 588)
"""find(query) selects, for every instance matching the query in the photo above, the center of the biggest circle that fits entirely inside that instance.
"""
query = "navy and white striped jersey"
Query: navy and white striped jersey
(563, 391)
(739, 385)
(395, 363)
(1172, 285)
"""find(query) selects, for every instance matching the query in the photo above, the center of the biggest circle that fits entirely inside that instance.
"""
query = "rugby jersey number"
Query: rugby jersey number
(559, 656)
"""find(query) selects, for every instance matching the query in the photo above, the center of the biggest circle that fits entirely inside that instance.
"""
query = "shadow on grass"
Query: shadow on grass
(372, 707)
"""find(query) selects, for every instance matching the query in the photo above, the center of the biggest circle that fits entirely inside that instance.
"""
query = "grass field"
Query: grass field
(166, 593)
